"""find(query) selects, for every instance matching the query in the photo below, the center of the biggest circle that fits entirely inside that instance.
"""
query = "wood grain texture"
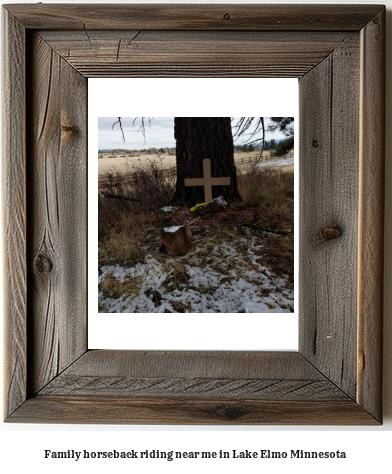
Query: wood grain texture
(187, 374)
(188, 387)
(14, 209)
(216, 70)
(336, 376)
(123, 410)
(57, 215)
(329, 200)
(208, 364)
(194, 17)
(195, 53)
(371, 216)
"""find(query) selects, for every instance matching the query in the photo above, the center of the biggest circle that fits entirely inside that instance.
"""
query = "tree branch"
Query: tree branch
(122, 131)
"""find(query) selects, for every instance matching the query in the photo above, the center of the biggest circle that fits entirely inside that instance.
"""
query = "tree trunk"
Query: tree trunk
(198, 138)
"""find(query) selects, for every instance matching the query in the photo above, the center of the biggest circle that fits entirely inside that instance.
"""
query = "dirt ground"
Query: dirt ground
(276, 235)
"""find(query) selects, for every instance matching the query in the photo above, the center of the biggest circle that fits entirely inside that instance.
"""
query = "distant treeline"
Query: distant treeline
(145, 151)
(281, 147)
(268, 145)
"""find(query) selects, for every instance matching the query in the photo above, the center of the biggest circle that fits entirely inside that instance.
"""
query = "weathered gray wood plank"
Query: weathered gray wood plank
(208, 364)
(344, 213)
(122, 410)
(328, 209)
(371, 216)
(192, 17)
(206, 374)
(58, 214)
(205, 388)
(91, 41)
(117, 45)
(14, 209)
(213, 70)
(104, 53)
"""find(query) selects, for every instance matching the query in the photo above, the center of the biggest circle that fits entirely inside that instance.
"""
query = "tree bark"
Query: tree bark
(198, 138)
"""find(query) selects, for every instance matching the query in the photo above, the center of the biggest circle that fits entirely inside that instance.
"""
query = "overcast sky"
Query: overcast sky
(159, 134)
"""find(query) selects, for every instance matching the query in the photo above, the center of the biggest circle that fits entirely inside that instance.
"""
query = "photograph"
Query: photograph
(196, 214)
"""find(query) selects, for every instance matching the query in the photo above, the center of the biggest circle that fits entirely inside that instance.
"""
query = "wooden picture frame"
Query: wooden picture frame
(337, 52)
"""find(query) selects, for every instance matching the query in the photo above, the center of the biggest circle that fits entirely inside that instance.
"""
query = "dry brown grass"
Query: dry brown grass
(123, 225)
(272, 186)
(111, 287)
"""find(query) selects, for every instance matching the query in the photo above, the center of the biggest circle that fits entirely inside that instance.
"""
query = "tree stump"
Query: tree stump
(176, 240)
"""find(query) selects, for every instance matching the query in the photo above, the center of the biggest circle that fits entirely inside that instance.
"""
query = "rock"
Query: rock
(176, 240)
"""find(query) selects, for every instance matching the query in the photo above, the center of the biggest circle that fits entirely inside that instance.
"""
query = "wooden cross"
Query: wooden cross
(207, 181)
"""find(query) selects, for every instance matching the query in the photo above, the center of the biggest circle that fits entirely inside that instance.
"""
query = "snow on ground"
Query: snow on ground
(230, 282)
(278, 162)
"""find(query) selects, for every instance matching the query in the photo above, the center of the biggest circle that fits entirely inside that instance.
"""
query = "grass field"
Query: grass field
(122, 164)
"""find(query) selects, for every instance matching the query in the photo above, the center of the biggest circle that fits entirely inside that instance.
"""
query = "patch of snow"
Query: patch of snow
(202, 290)
(172, 229)
(277, 162)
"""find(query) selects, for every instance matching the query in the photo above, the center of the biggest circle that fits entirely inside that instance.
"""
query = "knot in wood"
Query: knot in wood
(227, 16)
(232, 412)
(68, 128)
(328, 233)
(43, 264)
